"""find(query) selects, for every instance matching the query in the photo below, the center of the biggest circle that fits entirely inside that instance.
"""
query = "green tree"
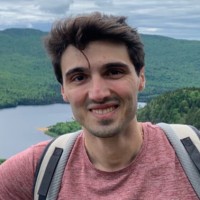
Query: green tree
(180, 106)
(62, 128)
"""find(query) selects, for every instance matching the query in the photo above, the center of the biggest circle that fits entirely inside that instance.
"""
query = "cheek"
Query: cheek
(75, 98)
(126, 88)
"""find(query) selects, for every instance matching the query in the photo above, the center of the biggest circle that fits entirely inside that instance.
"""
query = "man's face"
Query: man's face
(101, 85)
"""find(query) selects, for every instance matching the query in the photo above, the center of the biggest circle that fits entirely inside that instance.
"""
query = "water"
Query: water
(19, 127)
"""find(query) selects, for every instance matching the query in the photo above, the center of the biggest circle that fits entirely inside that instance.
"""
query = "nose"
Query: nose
(98, 89)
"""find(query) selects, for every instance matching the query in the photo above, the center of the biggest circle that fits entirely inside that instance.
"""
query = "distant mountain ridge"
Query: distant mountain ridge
(26, 74)
(171, 63)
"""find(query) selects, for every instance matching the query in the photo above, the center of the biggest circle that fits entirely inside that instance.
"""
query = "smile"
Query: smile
(103, 111)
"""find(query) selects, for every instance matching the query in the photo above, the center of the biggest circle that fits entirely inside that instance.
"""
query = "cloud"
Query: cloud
(82, 7)
(54, 7)
(179, 19)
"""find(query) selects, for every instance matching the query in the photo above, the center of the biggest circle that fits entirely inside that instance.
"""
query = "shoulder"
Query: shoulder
(29, 155)
(148, 127)
(19, 170)
(154, 134)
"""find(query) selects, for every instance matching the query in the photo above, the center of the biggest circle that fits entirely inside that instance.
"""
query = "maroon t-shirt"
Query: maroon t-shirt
(155, 174)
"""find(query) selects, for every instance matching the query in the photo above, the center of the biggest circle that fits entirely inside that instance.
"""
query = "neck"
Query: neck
(114, 153)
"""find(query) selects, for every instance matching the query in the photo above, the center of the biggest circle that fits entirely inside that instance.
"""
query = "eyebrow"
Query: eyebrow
(75, 70)
(115, 64)
(85, 69)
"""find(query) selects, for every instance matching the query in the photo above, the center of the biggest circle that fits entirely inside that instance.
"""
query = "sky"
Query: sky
(178, 19)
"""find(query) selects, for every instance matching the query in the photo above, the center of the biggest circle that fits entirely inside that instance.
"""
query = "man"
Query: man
(99, 61)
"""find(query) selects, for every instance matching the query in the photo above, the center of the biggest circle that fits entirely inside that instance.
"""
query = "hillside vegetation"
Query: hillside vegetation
(180, 106)
(63, 127)
(170, 64)
(26, 74)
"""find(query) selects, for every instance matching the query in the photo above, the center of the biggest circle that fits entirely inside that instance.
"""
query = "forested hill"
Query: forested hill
(181, 106)
(26, 75)
(171, 64)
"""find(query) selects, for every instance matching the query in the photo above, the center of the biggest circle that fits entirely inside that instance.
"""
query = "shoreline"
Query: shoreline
(43, 129)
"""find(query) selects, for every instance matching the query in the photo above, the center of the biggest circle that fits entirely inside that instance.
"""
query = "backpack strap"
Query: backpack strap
(184, 137)
(50, 169)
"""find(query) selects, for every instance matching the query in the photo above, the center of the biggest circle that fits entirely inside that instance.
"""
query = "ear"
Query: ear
(63, 94)
(142, 80)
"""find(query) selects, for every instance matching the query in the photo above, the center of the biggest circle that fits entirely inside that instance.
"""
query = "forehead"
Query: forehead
(97, 53)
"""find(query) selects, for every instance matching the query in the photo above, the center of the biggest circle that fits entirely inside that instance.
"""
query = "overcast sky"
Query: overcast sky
(174, 18)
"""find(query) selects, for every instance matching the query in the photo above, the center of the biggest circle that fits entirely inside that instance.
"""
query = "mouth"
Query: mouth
(104, 110)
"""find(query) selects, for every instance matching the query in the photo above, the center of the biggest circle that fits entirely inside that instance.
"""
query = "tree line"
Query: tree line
(180, 106)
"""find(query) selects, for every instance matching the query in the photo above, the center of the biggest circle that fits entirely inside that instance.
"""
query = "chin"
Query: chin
(104, 131)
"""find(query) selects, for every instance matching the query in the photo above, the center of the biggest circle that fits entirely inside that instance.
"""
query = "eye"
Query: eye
(77, 75)
(115, 73)
(80, 77)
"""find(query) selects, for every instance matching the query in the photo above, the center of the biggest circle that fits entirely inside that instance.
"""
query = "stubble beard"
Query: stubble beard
(110, 128)
(107, 128)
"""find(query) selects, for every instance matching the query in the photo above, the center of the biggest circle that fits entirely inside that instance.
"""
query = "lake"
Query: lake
(19, 127)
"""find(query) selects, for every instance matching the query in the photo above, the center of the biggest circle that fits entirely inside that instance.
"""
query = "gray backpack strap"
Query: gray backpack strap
(52, 166)
(176, 134)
